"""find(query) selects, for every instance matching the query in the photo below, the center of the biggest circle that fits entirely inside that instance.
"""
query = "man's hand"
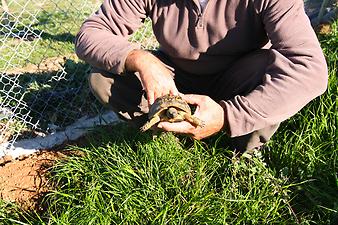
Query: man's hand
(207, 110)
(157, 80)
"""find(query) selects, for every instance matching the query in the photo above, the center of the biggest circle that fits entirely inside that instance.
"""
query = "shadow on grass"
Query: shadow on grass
(117, 134)
(63, 37)
(50, 99)
(29, 33)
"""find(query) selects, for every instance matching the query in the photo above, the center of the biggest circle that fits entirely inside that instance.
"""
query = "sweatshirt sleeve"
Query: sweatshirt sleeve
(296, 74)
(103, 38)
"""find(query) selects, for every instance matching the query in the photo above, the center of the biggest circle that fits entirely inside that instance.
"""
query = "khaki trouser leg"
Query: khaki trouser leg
(122, 93)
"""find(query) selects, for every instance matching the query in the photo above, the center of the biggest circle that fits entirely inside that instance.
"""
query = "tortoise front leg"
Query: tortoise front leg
(150, 123)
(194, 120)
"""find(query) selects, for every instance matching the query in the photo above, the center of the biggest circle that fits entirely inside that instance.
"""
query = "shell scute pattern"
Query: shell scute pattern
(171, 108)
(163, 103)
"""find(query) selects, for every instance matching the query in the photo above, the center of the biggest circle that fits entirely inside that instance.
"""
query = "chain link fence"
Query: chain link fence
(42, 83)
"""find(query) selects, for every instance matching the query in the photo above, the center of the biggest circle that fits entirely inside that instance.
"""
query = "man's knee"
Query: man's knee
(122, 93)
(100, 86)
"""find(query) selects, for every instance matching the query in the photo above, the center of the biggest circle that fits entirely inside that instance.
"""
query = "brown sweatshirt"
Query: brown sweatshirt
(207, 42)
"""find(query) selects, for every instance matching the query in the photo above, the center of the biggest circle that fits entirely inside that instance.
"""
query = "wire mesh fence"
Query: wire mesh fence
(42, 82)
(41, 79)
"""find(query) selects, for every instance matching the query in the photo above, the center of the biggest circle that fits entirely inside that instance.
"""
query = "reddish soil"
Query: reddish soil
(24, 181)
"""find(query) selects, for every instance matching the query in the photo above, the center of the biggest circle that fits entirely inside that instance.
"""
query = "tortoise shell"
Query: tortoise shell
(163, 103)
(171, 108)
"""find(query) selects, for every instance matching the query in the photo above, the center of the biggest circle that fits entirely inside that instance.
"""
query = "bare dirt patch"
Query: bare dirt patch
(24, 181)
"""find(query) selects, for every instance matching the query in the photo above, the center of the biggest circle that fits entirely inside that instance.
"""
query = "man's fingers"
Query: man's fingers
(153, 95)
(150, 97)
(192, 99)
(173, 92)
(178, 127)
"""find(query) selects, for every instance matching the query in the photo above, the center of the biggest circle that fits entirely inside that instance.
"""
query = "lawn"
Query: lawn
(126, 177)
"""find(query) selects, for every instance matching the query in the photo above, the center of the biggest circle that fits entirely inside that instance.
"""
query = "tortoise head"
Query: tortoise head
(171, 113)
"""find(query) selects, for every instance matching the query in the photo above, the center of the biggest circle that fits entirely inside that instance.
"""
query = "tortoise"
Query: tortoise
(171, 108)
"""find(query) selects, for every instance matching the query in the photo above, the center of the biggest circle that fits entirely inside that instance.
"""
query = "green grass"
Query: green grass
(140, 181)
(56, 24)
(127, 177)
